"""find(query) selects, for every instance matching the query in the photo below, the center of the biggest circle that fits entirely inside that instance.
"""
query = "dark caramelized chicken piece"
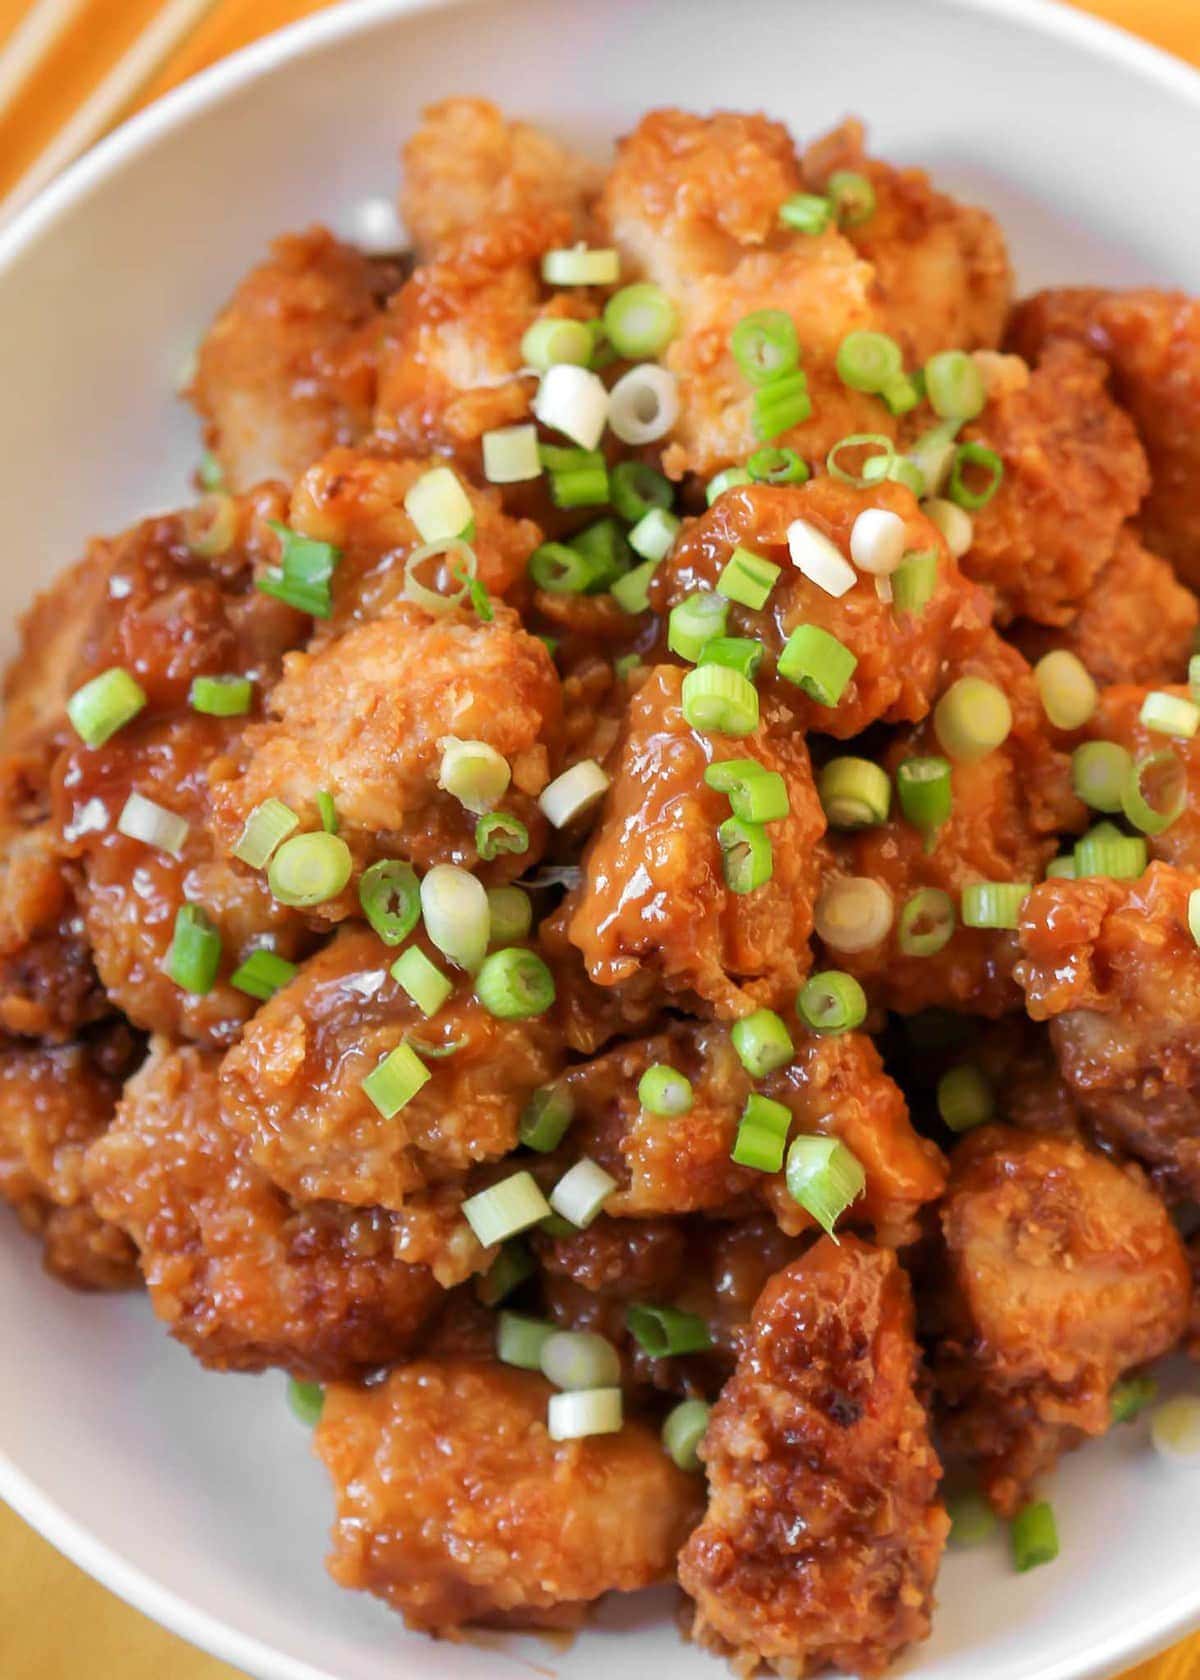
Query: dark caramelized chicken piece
(823, 1532)
(1062, 1270)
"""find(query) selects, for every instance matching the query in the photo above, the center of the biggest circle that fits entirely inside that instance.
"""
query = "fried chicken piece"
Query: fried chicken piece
(589, 1016)
(288, 367)
(823, 1532)
(241, 1276)
(901, 655)
(1062, 1271)
(941, 267)
(1118, 718)
(1135, 625)
(1074, 472)
(1113, 967)
(654, 911)
(54, 1102)
(1151, 341)
(667, 1164)
(466, 163)
(363, 717)
(292, 1088)
(1007, 809)
(455, 1506)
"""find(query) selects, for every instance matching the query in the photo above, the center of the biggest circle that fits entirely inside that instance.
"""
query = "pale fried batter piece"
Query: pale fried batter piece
(455, 1506)
(823, 1532)
(243, 1277)
(1062, 1271)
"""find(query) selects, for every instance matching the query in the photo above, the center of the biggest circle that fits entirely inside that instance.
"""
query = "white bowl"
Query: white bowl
(195, 1496)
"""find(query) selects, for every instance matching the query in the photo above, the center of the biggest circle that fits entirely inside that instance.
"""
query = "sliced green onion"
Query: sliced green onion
(577, 265)
(832, 1002)
(267, 825)
(974, 455)
(964, 1097)
(955, 524)
(195, 953)
(498, 832)
(854, 793)
(954, 385)
(510, 914)
(653, 537)
(210, 527)
(582, 1192)
(640, 321)
(926, 791)
(926, 923)
(1175, 1429)
(914, 581)
(1193, 914)
(508, 1271)
(756, 794)
(578, 1414)
(1121, 857)
(972, 1520)
(637, 488)
(262, 975)
(739, 653)
(391, 899)
(514, 984)
(719, 701)
(438, 506)
(747, 862)
(1061, 868)
(883, 451)
(824, 1177)
(506, 1209)
(627, 663)
(585, 487)
(776, 466)
(631, 592)
(603, 542)
(454, 906)
(994, 904)
(1099, 773)
(474, 773)
(664, 1090)
(1155, 792)
(309, 869)
(683, 1431)
(762, 1042)
(1034, 1536)
(762, 1134)
(573, 400)
(142, 819)
(972, 719)
(209, 472)
(806, 212)
(644, 404)
(580, 1359)
(779, 406)
(869, 361)
(459, 562)
(730, 479)
(818, 663)
(573, 793)
(902, 394)
(422, 980)
(557, 457)
(1130, 1397)
(1170, 714)
(1068, 693)
(877, 540)
(852, 197)
(664, 1332)
(853, 913)
(562, 570)
(748, 578)
(510, 455)
(545, 1119)
(933, 454)
(696, 620)
(395, 1081)
(1194, 676)
(554, 339)
(221, 696)
(520, 1339)
(104, 705)
(307, 1401)
(765, 346)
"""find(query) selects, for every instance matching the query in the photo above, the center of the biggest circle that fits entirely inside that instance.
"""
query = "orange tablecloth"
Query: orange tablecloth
(55, 1624)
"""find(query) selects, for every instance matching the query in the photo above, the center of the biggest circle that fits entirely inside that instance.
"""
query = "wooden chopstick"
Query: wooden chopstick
(105, 103)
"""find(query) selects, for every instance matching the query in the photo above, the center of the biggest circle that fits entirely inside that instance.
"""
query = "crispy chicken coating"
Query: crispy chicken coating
(901, 656)
(667, 1164)
(54, 1102)
(288, 367)
(1151, 341)
(823, 1532)
(241, 1276)
(654, 909)
(292, 1089)
(1114, 968)
(455, 1505)
(1074, 472)
(1062, 1271)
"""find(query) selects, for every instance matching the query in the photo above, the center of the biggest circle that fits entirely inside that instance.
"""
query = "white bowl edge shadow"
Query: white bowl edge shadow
(1136, 242)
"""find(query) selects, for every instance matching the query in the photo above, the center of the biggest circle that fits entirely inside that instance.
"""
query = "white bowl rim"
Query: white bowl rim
(297, 41)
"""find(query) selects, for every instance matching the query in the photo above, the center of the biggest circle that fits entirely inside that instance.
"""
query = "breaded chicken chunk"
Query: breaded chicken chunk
(241, 1276)
(54, 1102)
(1151, 341)
(456, 1506)
(288, 367)
(654, 910)
(1113, 966)
(823, 1532)
(1062, 1271)
(900, 656)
